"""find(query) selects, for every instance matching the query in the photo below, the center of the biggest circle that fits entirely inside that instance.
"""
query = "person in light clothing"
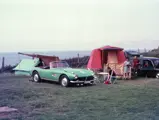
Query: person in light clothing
(127, 69)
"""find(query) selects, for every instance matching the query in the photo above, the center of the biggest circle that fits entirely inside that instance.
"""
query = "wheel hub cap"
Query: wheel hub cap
(36, 77)
(64, 82)
(157, 76)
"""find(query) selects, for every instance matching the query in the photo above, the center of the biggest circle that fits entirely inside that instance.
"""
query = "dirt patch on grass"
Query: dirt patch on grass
(4, 116)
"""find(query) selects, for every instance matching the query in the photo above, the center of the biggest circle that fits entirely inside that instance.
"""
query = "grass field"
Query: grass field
(127, 100)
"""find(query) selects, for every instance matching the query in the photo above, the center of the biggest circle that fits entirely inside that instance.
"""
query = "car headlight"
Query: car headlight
(76, 76)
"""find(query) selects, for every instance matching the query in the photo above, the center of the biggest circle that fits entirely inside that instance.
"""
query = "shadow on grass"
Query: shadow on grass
(70, 86)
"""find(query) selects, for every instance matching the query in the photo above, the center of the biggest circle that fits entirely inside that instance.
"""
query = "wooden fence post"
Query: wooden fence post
(3, 63)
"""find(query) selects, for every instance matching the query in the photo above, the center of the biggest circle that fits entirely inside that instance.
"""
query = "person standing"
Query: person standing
(127, 69)
(136, 64)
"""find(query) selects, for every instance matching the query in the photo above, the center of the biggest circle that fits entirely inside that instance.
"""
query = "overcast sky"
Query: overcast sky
(37, 25)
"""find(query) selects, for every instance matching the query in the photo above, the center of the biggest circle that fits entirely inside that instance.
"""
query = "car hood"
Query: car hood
(79, 72)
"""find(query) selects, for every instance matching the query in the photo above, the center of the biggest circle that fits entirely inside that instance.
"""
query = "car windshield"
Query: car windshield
(59, 64)
(156, 63)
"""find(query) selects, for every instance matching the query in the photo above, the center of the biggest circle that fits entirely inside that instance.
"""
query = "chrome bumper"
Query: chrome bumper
(84, 82)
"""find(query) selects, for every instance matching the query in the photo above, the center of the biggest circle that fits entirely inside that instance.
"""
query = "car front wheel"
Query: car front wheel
(157, 75)
(64, 81)
(36, 77)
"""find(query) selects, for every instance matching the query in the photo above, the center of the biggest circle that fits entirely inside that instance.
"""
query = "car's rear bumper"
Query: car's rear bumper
(83, 82)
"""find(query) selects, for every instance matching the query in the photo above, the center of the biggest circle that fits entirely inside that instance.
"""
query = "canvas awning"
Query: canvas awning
(46, 59)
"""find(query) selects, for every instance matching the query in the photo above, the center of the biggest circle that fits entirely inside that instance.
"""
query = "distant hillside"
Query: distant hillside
(152, 53)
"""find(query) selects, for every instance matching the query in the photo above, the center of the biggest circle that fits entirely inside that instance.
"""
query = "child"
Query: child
(111, 76)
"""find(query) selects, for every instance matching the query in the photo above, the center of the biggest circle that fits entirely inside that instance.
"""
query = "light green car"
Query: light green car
(62, 73)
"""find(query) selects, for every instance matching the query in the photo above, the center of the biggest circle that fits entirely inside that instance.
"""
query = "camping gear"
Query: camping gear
(111, 56)
(107, 82)
(25, 66)
(104, 75)
(44, 58)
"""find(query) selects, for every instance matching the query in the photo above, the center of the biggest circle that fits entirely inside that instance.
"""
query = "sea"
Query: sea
(12, 58)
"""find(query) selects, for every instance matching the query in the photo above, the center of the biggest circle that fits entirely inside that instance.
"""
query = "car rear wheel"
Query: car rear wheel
(157, 75)
(36, 77)
(64, 81)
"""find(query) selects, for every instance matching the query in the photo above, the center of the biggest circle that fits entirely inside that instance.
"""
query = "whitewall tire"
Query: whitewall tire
(157, 75)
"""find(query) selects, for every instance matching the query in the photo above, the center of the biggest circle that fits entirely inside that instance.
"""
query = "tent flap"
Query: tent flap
(26, 65)
(95, 60)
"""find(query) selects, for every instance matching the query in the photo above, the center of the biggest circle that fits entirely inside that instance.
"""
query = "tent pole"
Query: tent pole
(103, 64)
(103, 59)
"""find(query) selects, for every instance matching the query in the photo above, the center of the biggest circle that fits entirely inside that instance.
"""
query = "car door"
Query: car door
(49, 74)
(147, 67)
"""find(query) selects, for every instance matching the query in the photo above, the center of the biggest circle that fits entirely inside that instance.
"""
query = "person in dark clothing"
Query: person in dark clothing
(136, 63)
(41, 63)
(111, 76)
(111, 72)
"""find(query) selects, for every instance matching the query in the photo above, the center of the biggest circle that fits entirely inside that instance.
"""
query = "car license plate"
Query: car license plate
(87, 82)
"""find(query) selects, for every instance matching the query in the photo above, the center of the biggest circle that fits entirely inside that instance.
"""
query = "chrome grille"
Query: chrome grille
(86, 78)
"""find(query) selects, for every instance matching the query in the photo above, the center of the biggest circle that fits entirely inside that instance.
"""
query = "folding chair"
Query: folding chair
(96, 79)
(112, 78)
